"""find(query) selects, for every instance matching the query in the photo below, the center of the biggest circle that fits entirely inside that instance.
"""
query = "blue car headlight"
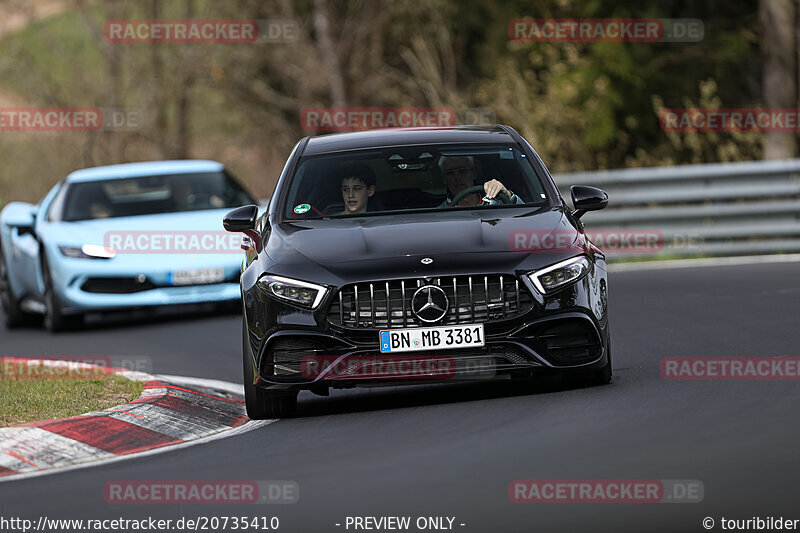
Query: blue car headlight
(87, 251)
(559, 275)
(302, 293)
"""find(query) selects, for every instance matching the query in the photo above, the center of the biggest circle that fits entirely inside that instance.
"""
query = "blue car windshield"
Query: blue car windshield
(408, 178)
(150, 195)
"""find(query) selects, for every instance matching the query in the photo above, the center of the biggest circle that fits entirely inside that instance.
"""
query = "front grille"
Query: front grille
(121, 285)
(472, 299)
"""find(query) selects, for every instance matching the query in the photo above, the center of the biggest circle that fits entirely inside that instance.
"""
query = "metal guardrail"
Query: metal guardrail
(712, 209)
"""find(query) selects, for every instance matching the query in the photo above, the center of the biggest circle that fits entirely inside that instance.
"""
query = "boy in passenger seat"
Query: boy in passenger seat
(358, 185)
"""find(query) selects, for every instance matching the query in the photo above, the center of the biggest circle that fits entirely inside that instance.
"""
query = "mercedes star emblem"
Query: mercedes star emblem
(430, 303)
(426, 261)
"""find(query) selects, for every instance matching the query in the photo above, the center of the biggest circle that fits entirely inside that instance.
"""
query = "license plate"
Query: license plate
(440, 338)
(198, 276)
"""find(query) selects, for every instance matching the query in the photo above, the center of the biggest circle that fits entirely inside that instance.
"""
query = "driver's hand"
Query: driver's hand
(493, 187)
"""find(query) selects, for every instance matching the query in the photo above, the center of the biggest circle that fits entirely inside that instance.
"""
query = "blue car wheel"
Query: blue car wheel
(54, 319)
(12, 313)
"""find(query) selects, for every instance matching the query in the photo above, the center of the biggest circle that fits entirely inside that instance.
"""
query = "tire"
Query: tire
(604, 376)
(601, 376)
(12, 314)
(263, 404)
(54, 319)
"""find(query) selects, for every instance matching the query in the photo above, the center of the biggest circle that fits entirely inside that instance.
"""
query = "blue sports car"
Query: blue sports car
(121, 236)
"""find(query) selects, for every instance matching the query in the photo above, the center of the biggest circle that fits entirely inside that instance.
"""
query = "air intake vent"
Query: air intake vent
(570, 341)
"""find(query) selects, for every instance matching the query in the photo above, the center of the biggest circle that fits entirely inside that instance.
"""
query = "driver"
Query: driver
(458, 173)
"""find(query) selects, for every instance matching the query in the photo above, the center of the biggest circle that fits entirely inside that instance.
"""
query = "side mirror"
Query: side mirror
(243, 220)
(586, 198)
(21, 216)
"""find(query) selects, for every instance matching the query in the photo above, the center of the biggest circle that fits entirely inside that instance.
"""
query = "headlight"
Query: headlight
(88, 251)
(298, 292)
(548, 279)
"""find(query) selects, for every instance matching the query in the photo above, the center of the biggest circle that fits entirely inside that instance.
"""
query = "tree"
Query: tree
(779, 74)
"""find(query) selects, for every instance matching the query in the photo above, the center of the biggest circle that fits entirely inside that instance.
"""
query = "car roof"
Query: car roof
(146, 168)
(390, 137)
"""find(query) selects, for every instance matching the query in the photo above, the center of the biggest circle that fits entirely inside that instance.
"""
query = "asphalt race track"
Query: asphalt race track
(452, 450)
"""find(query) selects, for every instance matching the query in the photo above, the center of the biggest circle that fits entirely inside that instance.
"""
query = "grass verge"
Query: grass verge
(25, 398)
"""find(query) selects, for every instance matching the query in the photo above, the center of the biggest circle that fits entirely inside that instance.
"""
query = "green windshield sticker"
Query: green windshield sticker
(302, 208)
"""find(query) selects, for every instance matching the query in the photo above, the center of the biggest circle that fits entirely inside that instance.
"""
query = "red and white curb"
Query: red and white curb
(172, 412)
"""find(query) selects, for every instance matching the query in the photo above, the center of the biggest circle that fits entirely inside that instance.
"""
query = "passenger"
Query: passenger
(100, 210)
(96, 198)
(358, 186)
(458, 173)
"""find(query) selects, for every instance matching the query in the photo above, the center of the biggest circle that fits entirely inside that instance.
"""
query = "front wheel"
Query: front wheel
(604, 375)
(262, 404)
(54, 319)
(601, 376)
(12, 314)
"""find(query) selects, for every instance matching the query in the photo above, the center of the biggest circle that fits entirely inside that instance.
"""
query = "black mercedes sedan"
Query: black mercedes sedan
(407, 256)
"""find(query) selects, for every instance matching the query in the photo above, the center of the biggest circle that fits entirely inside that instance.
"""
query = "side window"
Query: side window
(272, 206)
(234, 193)
(56, 207)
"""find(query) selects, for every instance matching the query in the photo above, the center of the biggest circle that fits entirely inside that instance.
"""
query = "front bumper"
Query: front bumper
(296, 349)
(566, 342)
(77, 300)
(84, 285)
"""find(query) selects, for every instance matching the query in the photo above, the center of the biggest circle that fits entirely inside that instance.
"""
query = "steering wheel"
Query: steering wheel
(479, 189)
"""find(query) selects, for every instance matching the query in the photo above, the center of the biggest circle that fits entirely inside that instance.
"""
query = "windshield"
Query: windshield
(381, 181)
(150, 195)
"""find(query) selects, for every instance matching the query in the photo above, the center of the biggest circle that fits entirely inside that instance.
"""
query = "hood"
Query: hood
(395, 245)
(150, 239)
(99, 230)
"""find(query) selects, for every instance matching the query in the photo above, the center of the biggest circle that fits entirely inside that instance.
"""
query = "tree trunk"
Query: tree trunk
(780, 68)
(159, 102)
(180, 148)
(328, 53)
